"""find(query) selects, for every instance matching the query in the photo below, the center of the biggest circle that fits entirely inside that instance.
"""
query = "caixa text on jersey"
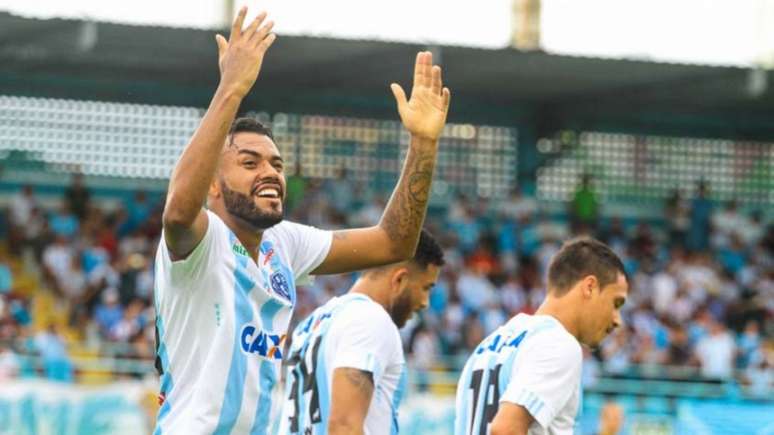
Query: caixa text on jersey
(255, 341)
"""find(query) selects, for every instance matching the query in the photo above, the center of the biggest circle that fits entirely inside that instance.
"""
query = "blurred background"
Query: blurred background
(649, 125)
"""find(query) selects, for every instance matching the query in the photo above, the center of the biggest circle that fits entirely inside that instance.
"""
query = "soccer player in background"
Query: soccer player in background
(226, 275)
(525, 376)
(346, 371)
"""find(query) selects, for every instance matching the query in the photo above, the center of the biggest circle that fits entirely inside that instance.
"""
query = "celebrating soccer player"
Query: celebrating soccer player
(226, 275)
(525, 376)
(346, 370)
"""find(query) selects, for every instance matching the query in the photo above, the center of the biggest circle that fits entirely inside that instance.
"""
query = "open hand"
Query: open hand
(240, 57)
(424, 115)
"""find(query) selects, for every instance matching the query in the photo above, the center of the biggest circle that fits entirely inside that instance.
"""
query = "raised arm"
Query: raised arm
(351, 392)
(239, 59)
(395, 238)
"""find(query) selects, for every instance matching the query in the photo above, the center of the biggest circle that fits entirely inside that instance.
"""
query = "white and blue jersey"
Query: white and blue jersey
(221, 323)
(349, 331)
(530, 361)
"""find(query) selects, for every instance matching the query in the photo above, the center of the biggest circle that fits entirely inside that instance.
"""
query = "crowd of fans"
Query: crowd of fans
(701, 277)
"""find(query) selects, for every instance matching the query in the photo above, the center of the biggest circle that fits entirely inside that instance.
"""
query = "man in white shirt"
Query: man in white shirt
(226, 276)
(716, 352)
(346, 371)
(525, 376)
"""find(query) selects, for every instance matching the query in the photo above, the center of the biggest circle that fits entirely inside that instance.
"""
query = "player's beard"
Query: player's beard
(401, 309)
(244, 207)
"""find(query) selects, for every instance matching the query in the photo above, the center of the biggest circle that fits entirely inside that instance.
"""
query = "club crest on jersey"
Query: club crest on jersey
(255, 341)
(279, 283)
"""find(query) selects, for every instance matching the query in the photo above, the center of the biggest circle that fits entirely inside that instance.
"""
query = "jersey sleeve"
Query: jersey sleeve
(191, 268)
(308, 246)
(366, 340)
(544, 377)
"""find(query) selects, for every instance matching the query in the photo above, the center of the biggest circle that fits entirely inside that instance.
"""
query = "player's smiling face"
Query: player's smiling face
(252, 179)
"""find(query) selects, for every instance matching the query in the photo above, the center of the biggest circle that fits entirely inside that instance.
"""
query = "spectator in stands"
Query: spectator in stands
(715, 352)
(727, 223)
(701, 213)
(617, 352)
(584, 207)
(591, 369)
(424, 351)
(677, 216)
(452, 333)
(109, 312)
(759, 376)
(132, 322)
(462, 221)
(7, 327)
(9, 363)
(78, 197)
(36, 235)
(476, 291)
(473, 331)
(339, 190)
(51, 348)
(21, 205)
(647, 355)
(518, 205)
(512, 296)
(138, 211)
(753, 229)
(371, 212)
(6, 275)
(664, 289)
(72, 281)
(20, 212)
(679, 292)
(296, 188)
(678, 352)
(748, 343)
(492, 316)
(614, 235)
(58, 258)
(64, 223)
(733, 254)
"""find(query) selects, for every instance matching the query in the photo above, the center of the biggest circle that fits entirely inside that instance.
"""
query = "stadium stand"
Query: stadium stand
(76, 273)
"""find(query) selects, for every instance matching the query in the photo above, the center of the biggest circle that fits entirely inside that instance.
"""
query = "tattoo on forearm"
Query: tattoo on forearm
(361, 379)
(406, 210)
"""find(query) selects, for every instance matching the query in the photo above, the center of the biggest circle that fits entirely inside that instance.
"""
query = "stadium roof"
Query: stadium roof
(160, 65)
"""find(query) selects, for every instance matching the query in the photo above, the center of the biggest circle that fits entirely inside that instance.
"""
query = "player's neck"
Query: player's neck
(368, 287)
(559, 311)
(247, 235)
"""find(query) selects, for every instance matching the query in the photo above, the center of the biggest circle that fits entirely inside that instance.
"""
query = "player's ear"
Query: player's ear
(214, 189)
(399, 278)
(588, 284)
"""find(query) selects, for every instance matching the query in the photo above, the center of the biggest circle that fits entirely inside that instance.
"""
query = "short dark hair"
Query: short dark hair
(582, 257)
(428, 251)
(251, 125)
